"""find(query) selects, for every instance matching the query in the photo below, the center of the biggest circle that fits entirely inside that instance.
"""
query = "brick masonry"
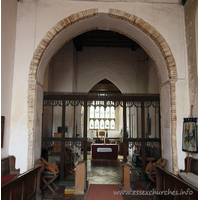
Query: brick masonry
(113, 13)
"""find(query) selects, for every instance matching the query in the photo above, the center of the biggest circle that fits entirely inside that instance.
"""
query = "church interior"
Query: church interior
(98, 95)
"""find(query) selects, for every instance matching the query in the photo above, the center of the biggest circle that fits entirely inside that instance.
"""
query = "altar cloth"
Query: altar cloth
(104, 150)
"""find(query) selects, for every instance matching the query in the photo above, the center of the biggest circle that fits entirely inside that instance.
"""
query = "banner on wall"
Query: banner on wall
(190, 135)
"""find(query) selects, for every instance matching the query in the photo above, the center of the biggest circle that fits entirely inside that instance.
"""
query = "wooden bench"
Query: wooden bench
(25, 186)
(192, 175)
(8, 170)
(170, 186)
(193, 165)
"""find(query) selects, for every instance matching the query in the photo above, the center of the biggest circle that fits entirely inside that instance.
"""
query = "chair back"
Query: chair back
(163, 164)
(52, 167)
(102, 133)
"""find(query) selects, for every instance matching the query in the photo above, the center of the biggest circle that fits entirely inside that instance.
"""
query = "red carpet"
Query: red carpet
(103, 192)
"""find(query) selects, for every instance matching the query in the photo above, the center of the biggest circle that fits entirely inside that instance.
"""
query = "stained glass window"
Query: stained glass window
(92, 124)
(107, 124)
(107, 112)
(112, 112)
(92, 112)
(97, 112)
(102, 124)
(112, 124)
(101, 117)
(96, 124)
(102, 112)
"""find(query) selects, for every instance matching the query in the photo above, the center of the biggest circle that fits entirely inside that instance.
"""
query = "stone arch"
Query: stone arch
(131, 19)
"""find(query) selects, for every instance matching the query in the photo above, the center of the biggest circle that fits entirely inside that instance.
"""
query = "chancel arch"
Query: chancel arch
(105, 74)
(130, 25)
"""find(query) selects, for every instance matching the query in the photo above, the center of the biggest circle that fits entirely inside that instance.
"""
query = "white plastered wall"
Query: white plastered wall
(96, 64)
(36, 18)
(8, 39)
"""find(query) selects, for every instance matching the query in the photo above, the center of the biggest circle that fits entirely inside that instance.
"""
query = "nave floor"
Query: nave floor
(99, 172)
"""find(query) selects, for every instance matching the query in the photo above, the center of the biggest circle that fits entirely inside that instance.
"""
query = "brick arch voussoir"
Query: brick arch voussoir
(64, 23)
(156, 66)
(153, 34)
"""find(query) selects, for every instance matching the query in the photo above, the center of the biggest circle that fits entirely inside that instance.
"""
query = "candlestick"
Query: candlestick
(97, 134)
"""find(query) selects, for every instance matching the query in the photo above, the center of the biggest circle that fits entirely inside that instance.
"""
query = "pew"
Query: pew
(192, 175)
(25, 186)
(192, 166)
(126, 177)
(171, 186)
(8, 170)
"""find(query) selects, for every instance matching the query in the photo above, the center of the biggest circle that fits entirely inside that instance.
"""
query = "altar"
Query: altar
(101, 151)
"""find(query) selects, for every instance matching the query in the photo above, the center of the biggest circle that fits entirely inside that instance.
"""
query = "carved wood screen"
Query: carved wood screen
(147, 121)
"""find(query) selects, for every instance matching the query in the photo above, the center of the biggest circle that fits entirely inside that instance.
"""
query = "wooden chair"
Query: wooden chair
(105, 136)
(151, 173)
(102, 133)
(149, 166)
(50, 173)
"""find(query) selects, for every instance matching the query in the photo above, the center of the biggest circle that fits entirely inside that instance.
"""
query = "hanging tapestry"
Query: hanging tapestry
(190, 135)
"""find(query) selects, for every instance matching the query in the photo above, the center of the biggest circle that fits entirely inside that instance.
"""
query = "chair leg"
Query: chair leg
(51, 189)
(47, 184)
(148, 185)
(55, 186)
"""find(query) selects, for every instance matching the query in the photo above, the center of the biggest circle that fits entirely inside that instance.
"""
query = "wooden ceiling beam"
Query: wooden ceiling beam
(77, 43)
(104, 39)
(184, 2)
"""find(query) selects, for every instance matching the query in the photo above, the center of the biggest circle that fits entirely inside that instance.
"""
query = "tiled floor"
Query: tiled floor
(99, 172)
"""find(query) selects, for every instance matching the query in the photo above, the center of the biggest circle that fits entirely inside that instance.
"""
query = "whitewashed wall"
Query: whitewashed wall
(96, 64)
(191, 23)
(8, 39)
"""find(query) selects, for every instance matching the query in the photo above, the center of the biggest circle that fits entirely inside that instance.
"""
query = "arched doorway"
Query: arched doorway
(122, 22)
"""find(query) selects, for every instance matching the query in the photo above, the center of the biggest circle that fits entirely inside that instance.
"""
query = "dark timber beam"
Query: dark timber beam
(125, 146)
(77, 43)
(184, 2)
(62, 159)
(72, 139)
(85, 130)
(143, 136)
(134, 47)
(95, 97)
(142, 139)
